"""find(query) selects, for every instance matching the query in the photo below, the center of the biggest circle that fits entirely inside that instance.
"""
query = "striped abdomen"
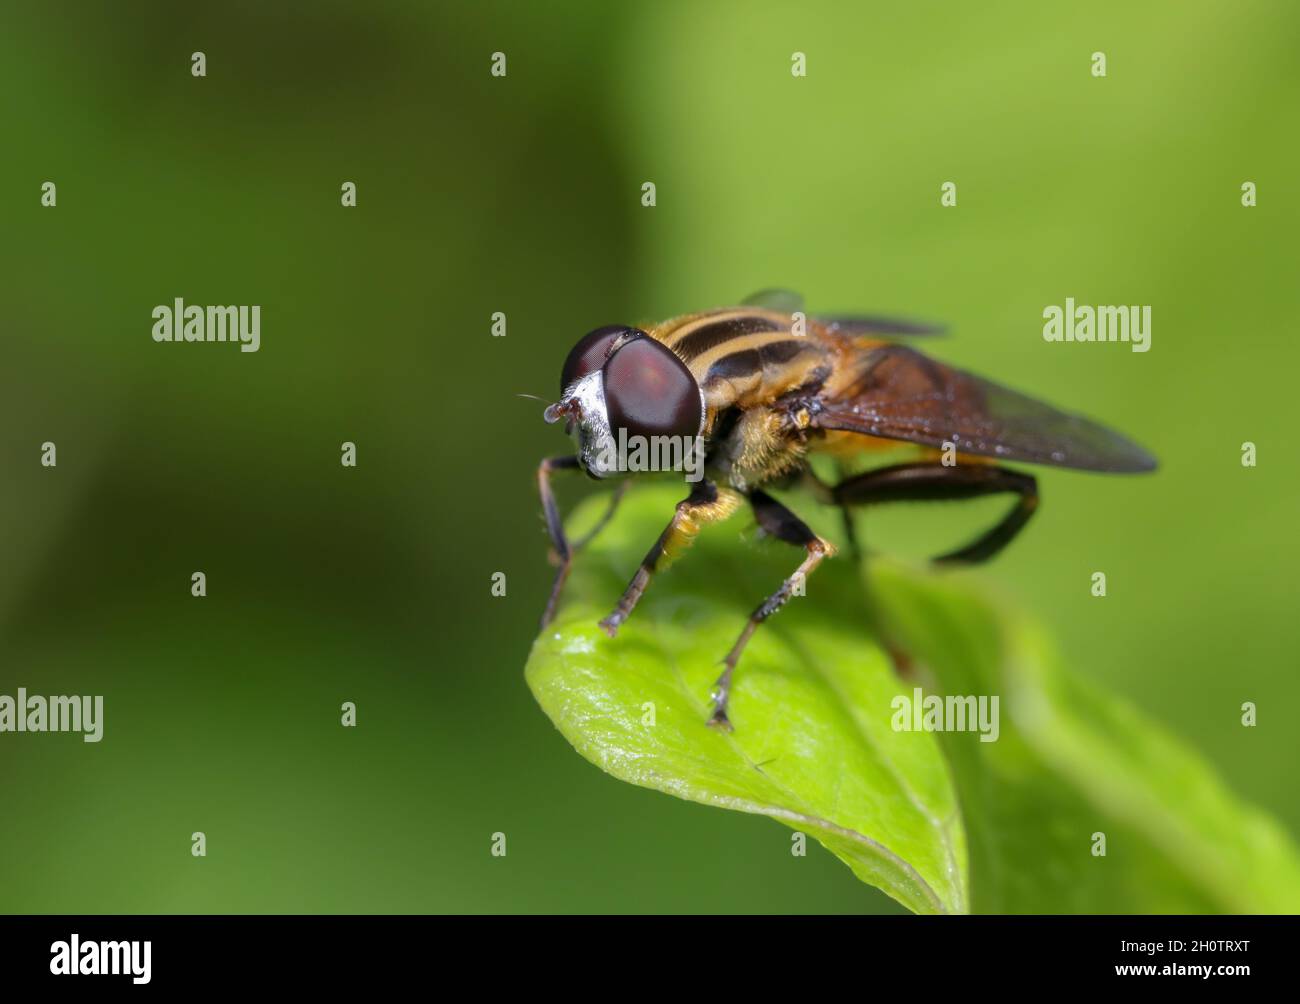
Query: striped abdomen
(743, 357)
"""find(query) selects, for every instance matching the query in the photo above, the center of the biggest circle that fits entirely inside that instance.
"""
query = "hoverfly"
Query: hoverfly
(759, 392)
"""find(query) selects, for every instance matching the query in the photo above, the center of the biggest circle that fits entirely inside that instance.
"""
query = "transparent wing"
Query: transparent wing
(898, 393)
(854, 324)
(785, 300)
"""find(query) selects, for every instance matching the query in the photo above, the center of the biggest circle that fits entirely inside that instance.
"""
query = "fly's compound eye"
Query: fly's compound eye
(591, 352)
(650, 392)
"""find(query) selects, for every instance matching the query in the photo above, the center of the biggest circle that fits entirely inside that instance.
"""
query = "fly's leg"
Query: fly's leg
(825, 494)
(929, 482)
(705, 504)
(562, 555)
(781, 523)
(851, 534)
(603, 522)
(562, 551)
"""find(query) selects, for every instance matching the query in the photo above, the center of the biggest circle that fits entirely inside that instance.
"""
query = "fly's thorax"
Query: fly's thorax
(746, 357)
(751, 447)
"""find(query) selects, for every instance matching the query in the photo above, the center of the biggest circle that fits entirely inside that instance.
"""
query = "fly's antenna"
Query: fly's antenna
(553, 411)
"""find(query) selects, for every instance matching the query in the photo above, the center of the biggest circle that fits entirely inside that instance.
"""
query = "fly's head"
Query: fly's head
(618, 386)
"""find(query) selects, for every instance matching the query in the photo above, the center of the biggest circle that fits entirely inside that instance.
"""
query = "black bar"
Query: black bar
(340, 952)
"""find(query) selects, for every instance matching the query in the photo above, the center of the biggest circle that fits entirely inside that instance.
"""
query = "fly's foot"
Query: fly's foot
(721, 692)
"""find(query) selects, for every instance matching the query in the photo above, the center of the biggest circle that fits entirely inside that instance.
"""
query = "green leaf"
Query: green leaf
(812, 745)
(1072, 761)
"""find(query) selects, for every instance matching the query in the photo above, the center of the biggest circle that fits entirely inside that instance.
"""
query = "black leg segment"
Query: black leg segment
(931, 482)
(781, 523)
(562, 551)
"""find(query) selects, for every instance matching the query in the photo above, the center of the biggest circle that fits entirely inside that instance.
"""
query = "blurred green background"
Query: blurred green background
(522, 195)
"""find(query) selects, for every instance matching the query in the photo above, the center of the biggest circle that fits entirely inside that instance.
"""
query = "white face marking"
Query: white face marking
(595, 440)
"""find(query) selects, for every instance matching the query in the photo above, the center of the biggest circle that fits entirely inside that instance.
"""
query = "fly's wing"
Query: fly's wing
(787, 301)
(871, 325)
(900, 394)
